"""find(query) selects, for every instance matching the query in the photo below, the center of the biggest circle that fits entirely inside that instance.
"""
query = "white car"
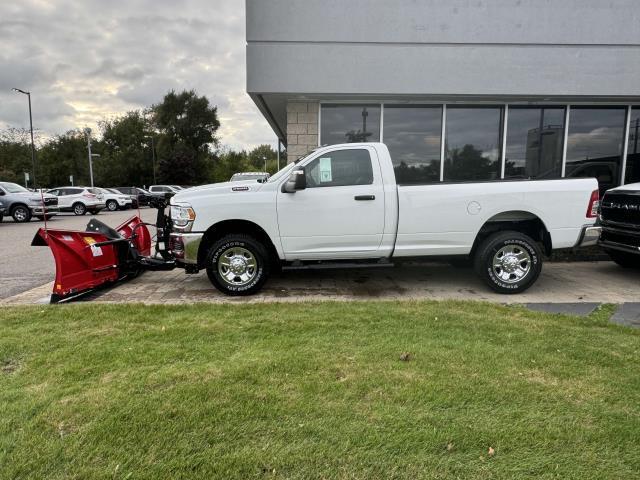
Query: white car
(342, 203)
(115, 201)
(79, 200)
(162, 189)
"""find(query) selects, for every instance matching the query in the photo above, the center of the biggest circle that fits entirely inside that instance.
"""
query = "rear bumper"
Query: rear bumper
(185, 247)
(589, 236)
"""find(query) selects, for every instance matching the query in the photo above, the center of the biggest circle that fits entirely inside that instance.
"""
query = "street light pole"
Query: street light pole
(88, 132)
(33, 148)
(153, 157)
(91, 155)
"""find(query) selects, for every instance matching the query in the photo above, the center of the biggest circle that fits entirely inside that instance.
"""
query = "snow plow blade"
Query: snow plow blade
(98, 257)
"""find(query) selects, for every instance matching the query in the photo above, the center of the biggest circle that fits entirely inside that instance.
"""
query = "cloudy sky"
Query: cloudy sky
(84, 60)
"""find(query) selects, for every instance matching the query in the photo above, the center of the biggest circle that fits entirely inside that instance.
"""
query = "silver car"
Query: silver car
(23, 204)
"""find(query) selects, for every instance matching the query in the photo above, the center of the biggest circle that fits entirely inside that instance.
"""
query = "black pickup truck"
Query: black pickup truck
(620, 221)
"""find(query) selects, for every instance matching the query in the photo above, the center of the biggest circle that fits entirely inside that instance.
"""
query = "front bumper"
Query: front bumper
(624, 238)
(589, 236)
(185, 247)
(39, 210)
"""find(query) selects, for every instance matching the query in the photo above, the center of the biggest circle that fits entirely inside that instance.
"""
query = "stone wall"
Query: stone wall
(302, 128)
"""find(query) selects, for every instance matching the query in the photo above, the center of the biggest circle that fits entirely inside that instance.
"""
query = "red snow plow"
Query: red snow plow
(101, 256)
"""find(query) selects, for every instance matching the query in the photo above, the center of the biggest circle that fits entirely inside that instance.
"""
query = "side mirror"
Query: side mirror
(1, 193)
(297, 181)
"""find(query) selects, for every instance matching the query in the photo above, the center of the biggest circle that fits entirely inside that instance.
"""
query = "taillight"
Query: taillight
(594, 204)
(88, 195)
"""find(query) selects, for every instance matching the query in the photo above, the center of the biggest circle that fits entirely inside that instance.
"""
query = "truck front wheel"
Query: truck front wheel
(238, 264)
(509, 262)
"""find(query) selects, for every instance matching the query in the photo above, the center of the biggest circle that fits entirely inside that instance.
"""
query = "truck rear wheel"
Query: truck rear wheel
(624, 259)
(509, 262)
(238, 264)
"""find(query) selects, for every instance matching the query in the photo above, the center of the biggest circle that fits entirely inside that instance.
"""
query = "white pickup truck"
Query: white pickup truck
(341, 205)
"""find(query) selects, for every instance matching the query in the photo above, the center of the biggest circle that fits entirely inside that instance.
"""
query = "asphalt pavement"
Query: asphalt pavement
(23, 267)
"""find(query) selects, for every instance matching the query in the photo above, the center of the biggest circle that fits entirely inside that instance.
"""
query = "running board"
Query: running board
(336, 265)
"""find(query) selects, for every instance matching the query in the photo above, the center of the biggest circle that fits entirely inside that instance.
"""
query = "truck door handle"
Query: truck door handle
(364, 197)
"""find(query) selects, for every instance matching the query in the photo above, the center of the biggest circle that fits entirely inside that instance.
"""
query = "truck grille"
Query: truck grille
(621, 208)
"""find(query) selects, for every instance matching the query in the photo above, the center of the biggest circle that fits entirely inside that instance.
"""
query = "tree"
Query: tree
(62, 156)
(15, 154)
(256, 158)
(125, 149)
(187, 126)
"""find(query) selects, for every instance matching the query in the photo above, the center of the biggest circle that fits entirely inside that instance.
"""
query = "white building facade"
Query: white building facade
(458, 90)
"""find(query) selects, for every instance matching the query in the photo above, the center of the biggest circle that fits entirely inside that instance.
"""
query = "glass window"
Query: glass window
(633, 148)
(412, 134)
(534, 142)
(339, 168)
(594, 144)
(472, 143)
(349, 124)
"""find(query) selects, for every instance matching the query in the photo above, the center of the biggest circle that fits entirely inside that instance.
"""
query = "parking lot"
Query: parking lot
(27, 273)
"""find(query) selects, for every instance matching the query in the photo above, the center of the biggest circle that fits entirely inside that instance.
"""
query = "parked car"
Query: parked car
(620, 221)
(79, 200)
(115, 201)
(164, 189)
(142, 196)
(259, 177)
(341, 205)
(133, 198)
(23, 204)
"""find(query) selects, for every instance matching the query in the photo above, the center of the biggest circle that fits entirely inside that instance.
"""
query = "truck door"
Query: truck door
(340, 214)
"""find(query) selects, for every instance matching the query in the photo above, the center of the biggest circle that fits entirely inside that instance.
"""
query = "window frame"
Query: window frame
(328, 152)
(505, 106)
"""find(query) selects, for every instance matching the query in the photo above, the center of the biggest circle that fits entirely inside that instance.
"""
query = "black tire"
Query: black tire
(21, 214)
(112, 205)
(516, 245)
(258, 275)
(79, 208)
(624, 259)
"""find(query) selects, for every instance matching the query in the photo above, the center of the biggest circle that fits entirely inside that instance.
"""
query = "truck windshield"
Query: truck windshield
(285, 170)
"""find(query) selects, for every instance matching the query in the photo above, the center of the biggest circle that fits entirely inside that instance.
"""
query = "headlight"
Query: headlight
(182, 216)
(35, 201)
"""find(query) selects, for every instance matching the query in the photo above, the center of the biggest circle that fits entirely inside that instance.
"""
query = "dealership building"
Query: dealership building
(459, 90)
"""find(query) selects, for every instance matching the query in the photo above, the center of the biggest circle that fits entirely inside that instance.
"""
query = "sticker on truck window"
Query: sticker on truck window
(325, 170)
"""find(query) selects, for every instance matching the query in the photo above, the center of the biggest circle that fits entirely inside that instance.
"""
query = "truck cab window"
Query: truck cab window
(340, 168)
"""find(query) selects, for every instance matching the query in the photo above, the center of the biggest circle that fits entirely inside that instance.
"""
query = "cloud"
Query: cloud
(84, 61)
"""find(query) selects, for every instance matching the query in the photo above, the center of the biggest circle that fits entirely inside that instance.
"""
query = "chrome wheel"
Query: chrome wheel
(20, 214)
(511, 263)
(237, 266)
(79, 209)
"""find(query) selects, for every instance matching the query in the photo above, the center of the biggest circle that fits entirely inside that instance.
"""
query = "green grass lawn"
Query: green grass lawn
(316, 390)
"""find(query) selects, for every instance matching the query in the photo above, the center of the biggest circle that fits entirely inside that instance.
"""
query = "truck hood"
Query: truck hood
(216, 189)
(33, 195)
(629, 188)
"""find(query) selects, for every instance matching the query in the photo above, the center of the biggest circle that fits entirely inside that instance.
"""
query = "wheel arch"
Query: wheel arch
(518, 220)
(226, 227)
(15, 205)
